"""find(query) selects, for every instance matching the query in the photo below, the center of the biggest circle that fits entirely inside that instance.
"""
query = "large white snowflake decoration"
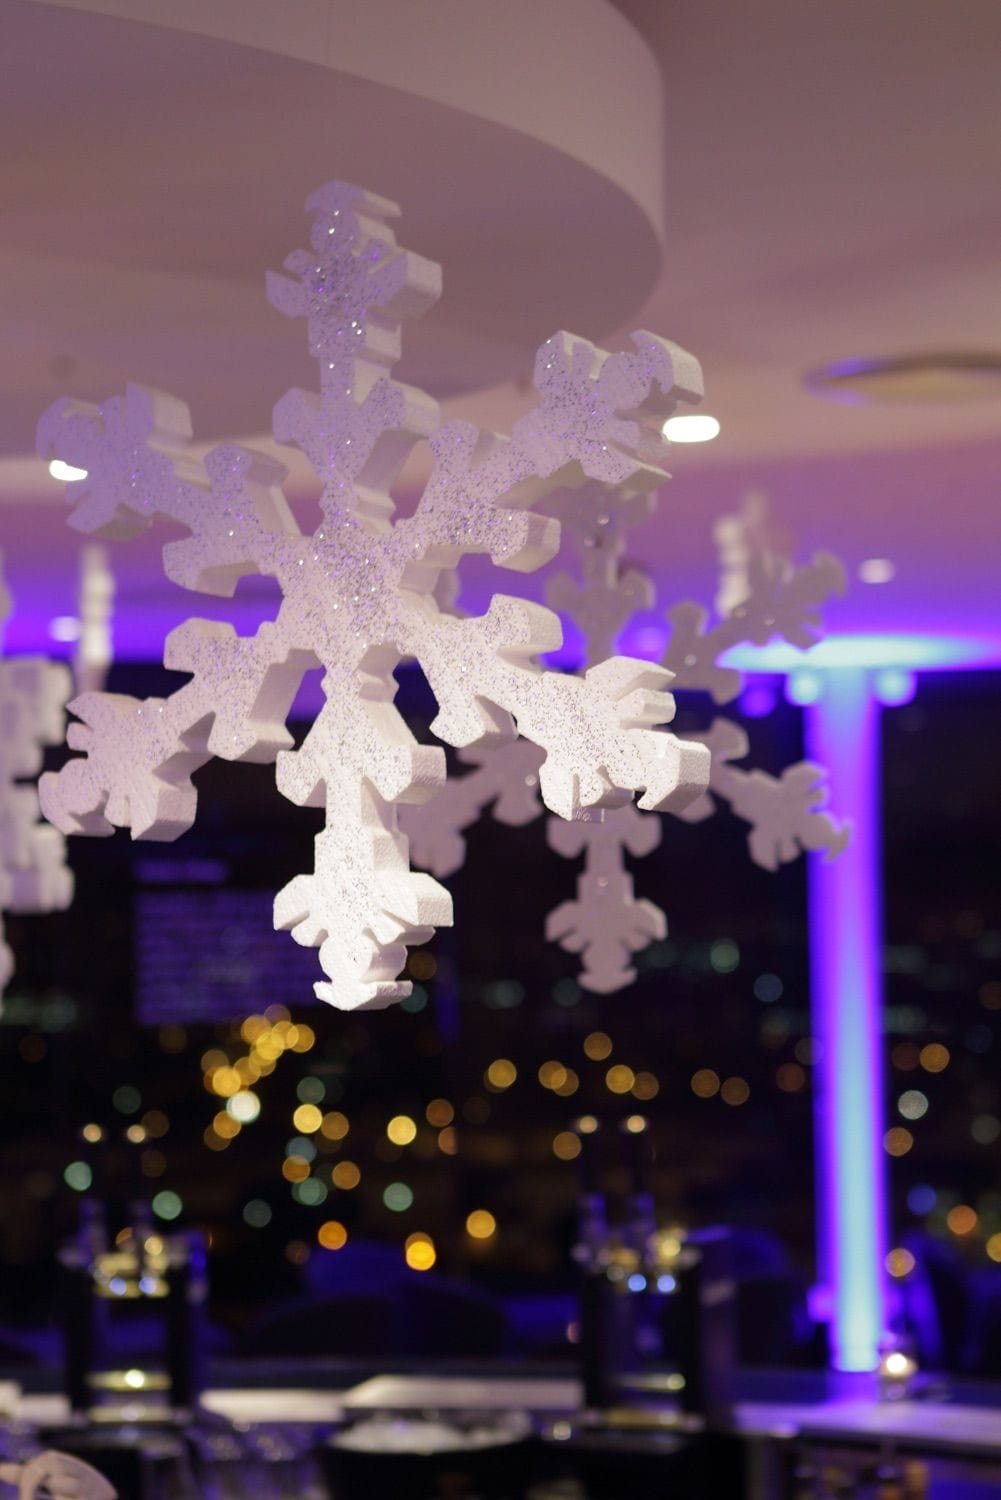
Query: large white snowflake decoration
(33, 872)
(361, 593)
(762, 595)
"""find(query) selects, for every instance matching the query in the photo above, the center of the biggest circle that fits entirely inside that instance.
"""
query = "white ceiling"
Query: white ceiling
(830, 188)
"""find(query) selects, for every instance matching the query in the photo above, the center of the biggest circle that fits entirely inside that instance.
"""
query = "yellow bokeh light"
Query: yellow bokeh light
(448, 1140)
(735, 1091)
(295, 1169)
(666, 1245)
(248, 1068)
(500, 1074)
(635, 1124)
(481, 1224)
(619, 1079)
(155, 1123)
(345, 1175)
(900, 1263)
(439, 1113)
(92, 1134)
(332, 1235)
(993, 1247)
(268, 1048)
(253, 1027)
(552, 1075)
(223, 1124)
(566, 1145)
(225, 1082)
(401, 1130)
(962, 1219)
(791, 1078)
(934, 1057)
(705, 1083)
(646, 1086)
(898, 1141)
(598, 1046)
(570, 1085)
(305, 1039)
(214, 1058)
(422, 965)
(420, 1254)
(213, 1141)
(334, 1126)
(307, 1119)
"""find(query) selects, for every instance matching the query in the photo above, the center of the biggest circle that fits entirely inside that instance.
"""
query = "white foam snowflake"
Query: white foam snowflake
(762, 595)
(362, 592)
(33, 872)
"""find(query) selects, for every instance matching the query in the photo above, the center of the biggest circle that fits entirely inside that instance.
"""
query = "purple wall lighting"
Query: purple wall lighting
(840, 685)
(845, 903)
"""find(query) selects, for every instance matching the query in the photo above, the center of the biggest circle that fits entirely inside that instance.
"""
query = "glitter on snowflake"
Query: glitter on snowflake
(762, 595)
(33, 873)
(363, 592)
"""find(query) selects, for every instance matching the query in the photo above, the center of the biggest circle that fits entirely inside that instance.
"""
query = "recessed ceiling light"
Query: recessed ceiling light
(66, 472)
(943, 375)
(804, 687)
(894, 686)
(698, 427)
(876, 570)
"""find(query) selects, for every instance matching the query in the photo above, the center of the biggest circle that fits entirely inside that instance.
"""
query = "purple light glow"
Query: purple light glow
(758, 700)
(845, 900)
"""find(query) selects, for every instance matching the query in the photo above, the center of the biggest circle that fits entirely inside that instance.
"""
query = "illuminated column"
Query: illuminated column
(845, 905)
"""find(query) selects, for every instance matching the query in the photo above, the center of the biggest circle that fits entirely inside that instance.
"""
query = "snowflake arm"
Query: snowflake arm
(609, 593)
(505, 779)
(606, 924)
(764, 595)
(787, 813)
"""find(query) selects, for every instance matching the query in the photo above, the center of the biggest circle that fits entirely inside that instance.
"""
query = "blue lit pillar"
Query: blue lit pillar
(845, 906)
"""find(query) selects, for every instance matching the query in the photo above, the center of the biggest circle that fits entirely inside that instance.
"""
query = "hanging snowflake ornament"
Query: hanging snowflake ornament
(33, 872)
(762, 595)
(362, 593)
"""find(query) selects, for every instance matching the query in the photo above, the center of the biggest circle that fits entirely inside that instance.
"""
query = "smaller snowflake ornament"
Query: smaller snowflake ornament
(364, 591)
(762, 595)
(33, 872)
(606, 924)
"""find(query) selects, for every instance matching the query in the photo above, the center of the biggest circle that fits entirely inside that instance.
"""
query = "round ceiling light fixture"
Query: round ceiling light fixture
(694, 427)
(876, 570)
(934, 376)
(68, 473)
